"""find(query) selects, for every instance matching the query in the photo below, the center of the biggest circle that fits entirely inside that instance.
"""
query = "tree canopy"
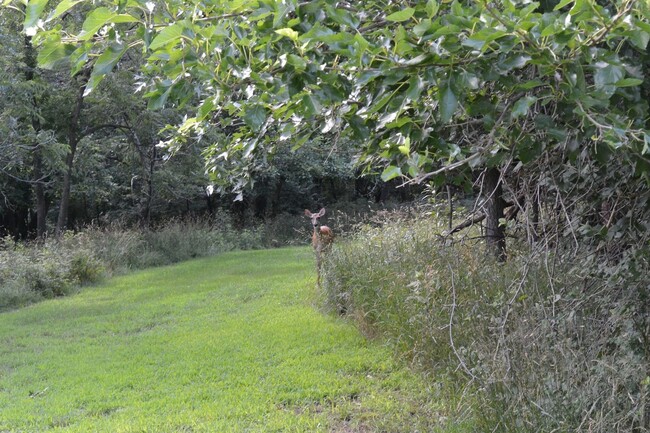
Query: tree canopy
(428, 86)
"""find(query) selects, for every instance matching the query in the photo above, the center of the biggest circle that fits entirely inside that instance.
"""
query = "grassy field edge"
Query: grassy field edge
(228, 343)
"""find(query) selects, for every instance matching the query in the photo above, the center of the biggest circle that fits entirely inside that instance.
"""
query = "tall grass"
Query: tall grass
(30, 272)
(540, 343)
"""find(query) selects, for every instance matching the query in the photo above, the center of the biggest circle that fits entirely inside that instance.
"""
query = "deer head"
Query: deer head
(315, 217)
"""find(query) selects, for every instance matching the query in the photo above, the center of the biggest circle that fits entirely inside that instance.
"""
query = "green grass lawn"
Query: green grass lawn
(233, 343)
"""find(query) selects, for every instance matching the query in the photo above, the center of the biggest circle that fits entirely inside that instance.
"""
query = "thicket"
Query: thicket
(33, 271)
(554, 339)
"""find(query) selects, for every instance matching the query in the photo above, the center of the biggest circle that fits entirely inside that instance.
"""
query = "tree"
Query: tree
(29, 151)
(429, 87)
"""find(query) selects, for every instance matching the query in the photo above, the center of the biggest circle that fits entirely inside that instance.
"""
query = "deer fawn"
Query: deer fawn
(321, 238)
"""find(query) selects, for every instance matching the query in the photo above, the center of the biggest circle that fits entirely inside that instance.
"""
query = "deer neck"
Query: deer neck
(316, 237)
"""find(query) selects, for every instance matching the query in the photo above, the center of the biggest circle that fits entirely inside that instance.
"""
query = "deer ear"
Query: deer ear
(321, 212)
(308, 213)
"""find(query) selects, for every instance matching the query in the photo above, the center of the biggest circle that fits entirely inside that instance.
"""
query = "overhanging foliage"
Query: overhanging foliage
(428, 86)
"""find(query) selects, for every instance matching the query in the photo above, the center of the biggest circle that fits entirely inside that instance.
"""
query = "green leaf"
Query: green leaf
(103, 65)
(639, 38)
(318, 31)
(254, 117)
(78, 59)
(416, 85)
(432, 8)
(337, 38)
(422, 27)
(405, 149)
(607, 74)
(289, 33)
(391, 172)
(481, 39)
(448, 103)
(551, 29)
(297, 62)
(62, 8)
(562, 4)
(123, 18)
(95, 21)
(628, 82)
(450, 29)
(527, 85)
(376, 106)
(359, 128)
(515, 62)
(205, 109)
(642, 25)
(343, 17)
(158, 97)
(53, 52)
(109, 58)
(33, 12)
(473, 43)
(403, 15)
(167, 35)
(520, 109)
(399, 122)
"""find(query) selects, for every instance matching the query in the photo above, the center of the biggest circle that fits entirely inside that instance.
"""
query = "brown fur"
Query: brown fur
(321, 238)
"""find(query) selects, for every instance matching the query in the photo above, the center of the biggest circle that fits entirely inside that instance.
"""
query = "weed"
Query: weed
(537, 343)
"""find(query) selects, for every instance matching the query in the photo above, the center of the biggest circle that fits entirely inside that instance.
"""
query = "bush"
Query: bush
(542, 342)
(29, 272)
(32, 272)
(85, 268)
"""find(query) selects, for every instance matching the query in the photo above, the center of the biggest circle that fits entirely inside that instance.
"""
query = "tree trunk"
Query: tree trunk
(208, 201)
(277, 196)
(494, 206)
(73, 140)
(37, 159)
(41, 202)
(149, 172)
(62, 221)
(148, 157)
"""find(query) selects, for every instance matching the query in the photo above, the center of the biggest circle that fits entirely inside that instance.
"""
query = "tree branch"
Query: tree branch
(510, 214)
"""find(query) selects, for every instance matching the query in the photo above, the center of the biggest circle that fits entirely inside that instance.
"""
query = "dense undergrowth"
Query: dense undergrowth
(552, 340)
(32, 271)
(55, 267)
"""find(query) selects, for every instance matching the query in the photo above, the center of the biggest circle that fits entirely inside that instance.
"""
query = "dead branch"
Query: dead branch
(510, 214)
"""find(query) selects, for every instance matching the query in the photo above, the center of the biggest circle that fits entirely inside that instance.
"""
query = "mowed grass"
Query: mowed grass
(226, 344)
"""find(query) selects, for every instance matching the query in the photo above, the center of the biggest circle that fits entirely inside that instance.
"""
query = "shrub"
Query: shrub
(85, 268)
(117, 248)
(542, 342)
(29, 272)
(176, 241)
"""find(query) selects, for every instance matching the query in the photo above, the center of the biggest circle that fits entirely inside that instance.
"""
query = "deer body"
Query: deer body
(321, 238)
